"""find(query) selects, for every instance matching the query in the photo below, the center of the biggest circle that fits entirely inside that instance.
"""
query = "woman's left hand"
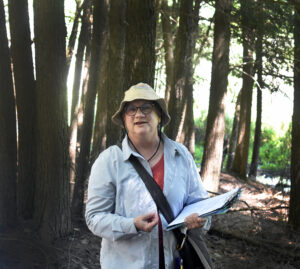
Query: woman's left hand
(193, 221)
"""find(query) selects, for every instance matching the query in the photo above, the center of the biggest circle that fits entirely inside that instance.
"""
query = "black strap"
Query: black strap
(154, 189)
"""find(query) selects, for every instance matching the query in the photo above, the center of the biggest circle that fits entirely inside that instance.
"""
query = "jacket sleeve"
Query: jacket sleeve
(100, 207)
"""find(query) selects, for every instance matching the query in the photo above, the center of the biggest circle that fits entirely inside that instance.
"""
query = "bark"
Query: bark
(8, 140)
(26, 105)
(52, 200)
(168, 42)
(73, 36)
(240, 162)
(177, 94)
(234, 133)
(259, 67)
(187, 135)
(294, 213)
(140, 37)
(99, 138)
(213, 147)
(84, 39)
(84, 90)
(115, 67)
(83, 165)
(257, 136)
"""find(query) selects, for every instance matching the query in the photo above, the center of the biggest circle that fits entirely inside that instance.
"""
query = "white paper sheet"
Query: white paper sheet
(205, 207)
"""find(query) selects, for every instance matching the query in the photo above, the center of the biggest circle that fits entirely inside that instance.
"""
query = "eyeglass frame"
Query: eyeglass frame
(153, 105)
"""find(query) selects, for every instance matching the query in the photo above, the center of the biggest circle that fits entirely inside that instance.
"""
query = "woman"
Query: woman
(119, 208)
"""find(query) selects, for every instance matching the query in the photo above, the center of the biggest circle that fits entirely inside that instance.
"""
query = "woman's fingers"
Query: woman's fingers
(146, 222)
(151, 222)
(193, 221)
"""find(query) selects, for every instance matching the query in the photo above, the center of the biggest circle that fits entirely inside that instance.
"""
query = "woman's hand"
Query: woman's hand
(193, 221)
(146, 222)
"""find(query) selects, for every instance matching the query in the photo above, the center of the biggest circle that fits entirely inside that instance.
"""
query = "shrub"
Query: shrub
(198, 154)
(275, 150)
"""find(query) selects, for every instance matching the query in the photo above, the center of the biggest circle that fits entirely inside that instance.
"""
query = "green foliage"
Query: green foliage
(275, 150)
(200, 127)
(198, 154)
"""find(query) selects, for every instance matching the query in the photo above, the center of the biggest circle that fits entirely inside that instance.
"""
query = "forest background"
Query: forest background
(51, 133)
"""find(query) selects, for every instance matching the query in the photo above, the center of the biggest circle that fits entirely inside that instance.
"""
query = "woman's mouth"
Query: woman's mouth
(140, 122)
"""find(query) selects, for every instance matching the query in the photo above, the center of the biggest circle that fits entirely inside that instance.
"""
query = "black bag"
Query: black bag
(191, 247)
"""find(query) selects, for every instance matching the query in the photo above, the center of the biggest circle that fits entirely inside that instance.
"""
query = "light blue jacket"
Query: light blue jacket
(116, 195)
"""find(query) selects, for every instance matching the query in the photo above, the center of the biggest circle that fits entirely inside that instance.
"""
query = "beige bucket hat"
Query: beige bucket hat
(144, 92)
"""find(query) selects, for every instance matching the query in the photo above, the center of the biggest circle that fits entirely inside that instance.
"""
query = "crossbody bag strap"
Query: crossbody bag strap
(158, 197)
(154, 189)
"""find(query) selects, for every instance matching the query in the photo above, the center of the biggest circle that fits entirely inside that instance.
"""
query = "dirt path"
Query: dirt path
(255, 233)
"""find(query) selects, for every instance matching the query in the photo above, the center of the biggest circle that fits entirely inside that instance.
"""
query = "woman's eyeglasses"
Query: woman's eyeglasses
(146, 108)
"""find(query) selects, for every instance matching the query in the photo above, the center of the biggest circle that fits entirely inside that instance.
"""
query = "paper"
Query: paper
(211, 206)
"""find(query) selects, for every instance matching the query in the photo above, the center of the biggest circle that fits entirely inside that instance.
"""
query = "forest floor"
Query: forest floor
(253, 234)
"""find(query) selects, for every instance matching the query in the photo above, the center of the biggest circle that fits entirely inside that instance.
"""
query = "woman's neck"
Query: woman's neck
(146, 147)
(144, 142)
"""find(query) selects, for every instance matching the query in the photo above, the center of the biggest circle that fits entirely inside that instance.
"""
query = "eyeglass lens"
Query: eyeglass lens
(145, 109)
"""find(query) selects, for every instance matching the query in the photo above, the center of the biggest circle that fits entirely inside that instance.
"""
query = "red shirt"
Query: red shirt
(158, 172)
(158, 175)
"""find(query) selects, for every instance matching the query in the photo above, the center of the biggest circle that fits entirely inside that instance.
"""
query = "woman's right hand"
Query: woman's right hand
(146, 222)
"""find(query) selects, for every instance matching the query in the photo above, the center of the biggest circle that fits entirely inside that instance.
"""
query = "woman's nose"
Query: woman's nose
(139, 112)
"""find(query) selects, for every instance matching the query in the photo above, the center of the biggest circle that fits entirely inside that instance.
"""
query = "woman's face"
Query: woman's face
(141, 122)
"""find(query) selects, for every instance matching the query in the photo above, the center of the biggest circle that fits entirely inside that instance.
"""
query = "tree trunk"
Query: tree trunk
(213, 147)
(168, 39)
(99, 138)
(8, 140)
(257, 136)
(139, 63)
(52, 200)
(115, 66)
(73, 36)
(234, 133)
(259, 66)
(26, 105)
(84, 90)
(240, 162)
(177, 94)
(187, 134)
(84, 39)
(83, 165)
(294, 212)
